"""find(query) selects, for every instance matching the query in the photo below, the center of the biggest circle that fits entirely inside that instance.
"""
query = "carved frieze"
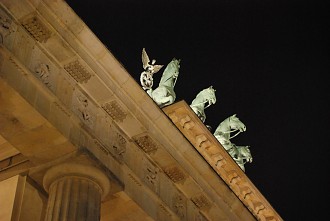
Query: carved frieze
(77, 71)
(7, 26)
(179, 205)
(114, 110)
(82, 107)
(37, 29)
(119, 146)
(175, 174)
(43, 73)
(146, 143)
(201, 201)
(151, 175)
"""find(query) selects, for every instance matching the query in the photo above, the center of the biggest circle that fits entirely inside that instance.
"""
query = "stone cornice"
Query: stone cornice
(97, 105)
(218, 158)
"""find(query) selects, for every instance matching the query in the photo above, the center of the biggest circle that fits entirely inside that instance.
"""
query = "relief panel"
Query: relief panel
(146, 143)
(44, 68)
(7, 27)
(175, 174)
(119, 147)
(77, 71)
(84, 109)
(114, 110)
(36, 28)
(151, 175)
(179, 205)
(201, 201)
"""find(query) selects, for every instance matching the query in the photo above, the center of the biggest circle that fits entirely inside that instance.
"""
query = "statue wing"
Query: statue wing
(145, 59)
(157, 68)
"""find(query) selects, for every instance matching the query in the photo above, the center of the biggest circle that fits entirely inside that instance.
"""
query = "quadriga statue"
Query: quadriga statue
(206, 96)
(241, 154)
(150, 69)
(164, 94)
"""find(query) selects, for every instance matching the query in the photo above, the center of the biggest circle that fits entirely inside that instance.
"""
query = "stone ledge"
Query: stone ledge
(208, 146)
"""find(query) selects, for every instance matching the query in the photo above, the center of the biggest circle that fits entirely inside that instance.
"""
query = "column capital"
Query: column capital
(77, 170)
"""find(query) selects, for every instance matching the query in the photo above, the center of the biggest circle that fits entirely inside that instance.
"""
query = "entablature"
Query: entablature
(75, 82)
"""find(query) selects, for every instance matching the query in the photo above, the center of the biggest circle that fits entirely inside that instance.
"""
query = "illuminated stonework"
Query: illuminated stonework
(6, 26)
(77, 72)
(146, 144)
(151, 175)
(175, 174)
(98, 116)
(114, 110)
(179, 204)
(201, 201)
(37, 29)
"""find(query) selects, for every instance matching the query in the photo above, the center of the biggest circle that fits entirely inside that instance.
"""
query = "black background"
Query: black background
(268, 61)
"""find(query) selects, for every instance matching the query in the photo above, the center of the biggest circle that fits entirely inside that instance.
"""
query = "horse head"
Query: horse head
(236, 124)
(228, 126)
(206, 96)
(209, 95)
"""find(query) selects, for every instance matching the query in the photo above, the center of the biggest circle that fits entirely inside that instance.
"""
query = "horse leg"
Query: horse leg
(162, 97)
(164, 101)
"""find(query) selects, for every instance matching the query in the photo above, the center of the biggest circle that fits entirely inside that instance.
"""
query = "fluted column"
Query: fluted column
(75, 192)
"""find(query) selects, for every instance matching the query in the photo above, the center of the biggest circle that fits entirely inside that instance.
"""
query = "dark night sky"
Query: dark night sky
(268, 61)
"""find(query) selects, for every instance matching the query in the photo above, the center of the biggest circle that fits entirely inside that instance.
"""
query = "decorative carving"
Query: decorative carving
(146, 144)
(77, 72)
(179, 206)
(202, 141)
(201, 201)
(6, 26)
(218, 159)
(43, 73)
(37, 29)
(175, 174)
(245, 191)
(120, 146)
(151, 176)
(82, 107)
(186, 122)
(115, 111)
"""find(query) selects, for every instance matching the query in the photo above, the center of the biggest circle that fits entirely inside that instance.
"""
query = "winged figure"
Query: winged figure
(150, 68)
